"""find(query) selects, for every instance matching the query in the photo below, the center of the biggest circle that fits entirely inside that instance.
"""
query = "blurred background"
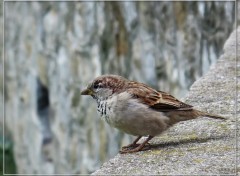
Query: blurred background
(53, 49)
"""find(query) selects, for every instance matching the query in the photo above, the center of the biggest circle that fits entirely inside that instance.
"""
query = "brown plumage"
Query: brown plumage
(138, 109)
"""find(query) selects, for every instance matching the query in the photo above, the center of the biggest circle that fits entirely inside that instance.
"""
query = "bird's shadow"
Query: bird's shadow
(184, 141)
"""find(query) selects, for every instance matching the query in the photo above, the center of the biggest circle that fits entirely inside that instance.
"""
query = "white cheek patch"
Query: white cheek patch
(104, 93)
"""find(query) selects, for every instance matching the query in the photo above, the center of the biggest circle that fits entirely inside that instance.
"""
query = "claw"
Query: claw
(130, 146)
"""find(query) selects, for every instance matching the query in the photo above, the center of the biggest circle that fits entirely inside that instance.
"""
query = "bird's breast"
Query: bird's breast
(105, 109)
(131, 116)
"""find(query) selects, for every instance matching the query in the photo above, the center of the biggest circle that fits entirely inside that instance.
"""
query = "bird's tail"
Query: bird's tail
(205, 114)
(177, 116)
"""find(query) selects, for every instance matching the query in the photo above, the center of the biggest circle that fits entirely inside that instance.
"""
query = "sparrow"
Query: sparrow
(137, 109)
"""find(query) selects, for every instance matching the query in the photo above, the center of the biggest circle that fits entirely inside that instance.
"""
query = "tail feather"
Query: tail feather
(177, 116)
(200, 113)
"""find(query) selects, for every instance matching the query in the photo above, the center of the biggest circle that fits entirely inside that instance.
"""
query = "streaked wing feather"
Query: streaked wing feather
(158, 100)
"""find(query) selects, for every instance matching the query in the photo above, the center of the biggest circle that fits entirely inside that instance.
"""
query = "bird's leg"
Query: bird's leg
(138, 148)
(133, 144)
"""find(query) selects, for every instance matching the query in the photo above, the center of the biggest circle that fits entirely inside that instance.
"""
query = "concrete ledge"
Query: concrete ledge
(202, 146)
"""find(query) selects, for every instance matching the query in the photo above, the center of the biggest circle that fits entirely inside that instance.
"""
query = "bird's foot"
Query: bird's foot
(134, 148)
(133, 145)
(145, 145)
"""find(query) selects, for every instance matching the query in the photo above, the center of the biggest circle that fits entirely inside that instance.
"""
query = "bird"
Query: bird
(137, 109)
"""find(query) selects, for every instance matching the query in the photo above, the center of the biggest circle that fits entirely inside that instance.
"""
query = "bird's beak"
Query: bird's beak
(87, 92)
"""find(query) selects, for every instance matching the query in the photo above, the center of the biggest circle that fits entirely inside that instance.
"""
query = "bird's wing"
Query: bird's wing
(157, 100)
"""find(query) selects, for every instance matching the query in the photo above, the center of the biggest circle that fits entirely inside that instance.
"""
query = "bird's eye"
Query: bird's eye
(96, 86)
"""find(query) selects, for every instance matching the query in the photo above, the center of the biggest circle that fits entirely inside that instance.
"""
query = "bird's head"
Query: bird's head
(104, 86)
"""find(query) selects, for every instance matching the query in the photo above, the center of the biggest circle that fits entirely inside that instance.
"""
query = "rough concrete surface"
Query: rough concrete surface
(202, 146)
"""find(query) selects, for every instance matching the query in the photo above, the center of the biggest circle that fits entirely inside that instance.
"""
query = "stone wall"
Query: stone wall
(53, 49)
